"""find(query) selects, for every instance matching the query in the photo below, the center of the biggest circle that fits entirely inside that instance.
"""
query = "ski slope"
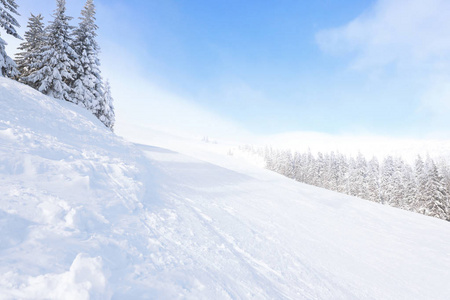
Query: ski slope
(84, 214)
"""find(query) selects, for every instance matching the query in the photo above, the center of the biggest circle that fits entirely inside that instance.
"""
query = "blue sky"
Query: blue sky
(378, 67)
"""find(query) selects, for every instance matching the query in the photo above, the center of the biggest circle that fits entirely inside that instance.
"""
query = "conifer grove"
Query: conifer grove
(423, 187)
(59, 60)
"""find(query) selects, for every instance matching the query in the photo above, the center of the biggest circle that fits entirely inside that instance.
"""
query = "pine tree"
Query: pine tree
(54, 75)
(107, 116)
(319, 170)
(386, 180)
(8, 67)
(409, 186)
(284, 163)
(300, 160)
(421, 182)
(444, 170)
(374, 180)
(436, 194)
(268, 158)
(334, 172)
(87, 86)
(351, 176)
(310, 169)
(328, 182)
(361, 180)
(343, 173)
(297, 162)
(30, 58)
(397, 192)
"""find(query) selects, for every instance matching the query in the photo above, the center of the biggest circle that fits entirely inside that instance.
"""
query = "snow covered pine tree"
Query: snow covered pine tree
(436, 194)
(55, 73)
(87, 86)
(8, 67)
(31, 47)
(108, 116)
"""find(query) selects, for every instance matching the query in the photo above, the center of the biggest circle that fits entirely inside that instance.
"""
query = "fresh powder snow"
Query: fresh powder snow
(85, 214)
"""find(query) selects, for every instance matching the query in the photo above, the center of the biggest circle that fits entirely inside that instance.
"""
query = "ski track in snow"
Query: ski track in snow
(87, 215)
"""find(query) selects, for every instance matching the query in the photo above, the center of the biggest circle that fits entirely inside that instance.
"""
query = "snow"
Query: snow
(85, 214)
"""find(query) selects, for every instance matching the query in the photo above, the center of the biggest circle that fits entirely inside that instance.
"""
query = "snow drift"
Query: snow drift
(87, 215)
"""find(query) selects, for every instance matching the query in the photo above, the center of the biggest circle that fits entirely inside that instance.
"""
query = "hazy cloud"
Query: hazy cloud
(394, 31)
(140, 101)
(409, 37)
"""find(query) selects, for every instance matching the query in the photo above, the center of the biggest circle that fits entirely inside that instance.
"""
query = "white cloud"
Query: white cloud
(402, 32)
(410, 38)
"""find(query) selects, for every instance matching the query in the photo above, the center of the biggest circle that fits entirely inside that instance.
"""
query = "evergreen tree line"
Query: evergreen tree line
(423, 187)
(59, 60)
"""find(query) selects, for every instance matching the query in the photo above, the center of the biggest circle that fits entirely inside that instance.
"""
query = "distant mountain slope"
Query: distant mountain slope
(369, 146)
(87, 215)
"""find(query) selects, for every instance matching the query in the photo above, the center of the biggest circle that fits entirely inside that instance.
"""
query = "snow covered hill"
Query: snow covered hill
(87, 215)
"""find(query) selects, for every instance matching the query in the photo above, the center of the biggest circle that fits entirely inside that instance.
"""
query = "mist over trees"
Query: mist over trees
(422, 188)
(59, 60)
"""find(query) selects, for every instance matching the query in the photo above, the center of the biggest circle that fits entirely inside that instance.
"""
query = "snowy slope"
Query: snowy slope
(87, 215)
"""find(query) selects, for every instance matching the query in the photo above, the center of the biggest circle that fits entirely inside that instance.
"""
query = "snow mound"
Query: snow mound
(70, 198)
(87, 215)
(84, 280)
